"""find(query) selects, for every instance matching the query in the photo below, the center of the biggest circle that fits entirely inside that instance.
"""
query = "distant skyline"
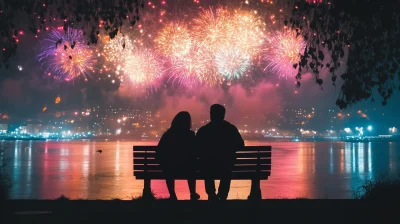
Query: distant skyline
(25, 91)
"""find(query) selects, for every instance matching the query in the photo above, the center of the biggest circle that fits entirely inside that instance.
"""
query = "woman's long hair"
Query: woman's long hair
(182, 121)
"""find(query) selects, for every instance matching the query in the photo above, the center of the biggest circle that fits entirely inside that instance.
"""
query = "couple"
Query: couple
(215, 144)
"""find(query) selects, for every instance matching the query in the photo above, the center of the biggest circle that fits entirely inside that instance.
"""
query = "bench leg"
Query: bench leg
(147, 194)
(255, 192)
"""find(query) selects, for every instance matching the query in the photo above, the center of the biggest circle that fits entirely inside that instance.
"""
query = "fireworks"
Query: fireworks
(233, 37)
(246, 31)
(283, 51)
(211, 29)
(117, 49)
(232, 63)
(195, 67)
(66, 54)
(217, 44)
(174, 40)
(57, 100)
(142, 67)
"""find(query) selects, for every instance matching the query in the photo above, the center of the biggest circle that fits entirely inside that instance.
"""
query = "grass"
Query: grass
(382, 188)
(62, 198)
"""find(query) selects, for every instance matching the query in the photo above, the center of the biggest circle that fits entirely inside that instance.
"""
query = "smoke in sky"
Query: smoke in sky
(239, 102)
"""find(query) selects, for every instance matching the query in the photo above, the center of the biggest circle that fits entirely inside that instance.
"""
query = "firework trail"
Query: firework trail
(66, 54)
(283, 51)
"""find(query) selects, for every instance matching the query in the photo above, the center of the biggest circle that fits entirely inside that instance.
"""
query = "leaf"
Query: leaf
(70, 57)
(320, 81)
(334, 77)
(65, 47)
(332, 69)
(341, 53)
(73, 45)
(295, 66)
(321, 55)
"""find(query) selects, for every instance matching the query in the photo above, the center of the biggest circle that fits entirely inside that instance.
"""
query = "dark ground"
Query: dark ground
(163, 211)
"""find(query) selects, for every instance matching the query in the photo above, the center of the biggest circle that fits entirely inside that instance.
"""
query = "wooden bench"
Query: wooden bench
(253, 163)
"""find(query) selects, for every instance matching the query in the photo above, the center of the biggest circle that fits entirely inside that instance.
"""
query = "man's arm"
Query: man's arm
(238, 140)
(199, 142)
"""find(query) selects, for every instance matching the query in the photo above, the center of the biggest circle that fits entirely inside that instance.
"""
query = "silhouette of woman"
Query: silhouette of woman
(176, 154)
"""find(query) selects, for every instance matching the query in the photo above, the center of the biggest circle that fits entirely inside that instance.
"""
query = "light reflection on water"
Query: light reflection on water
(47, 169)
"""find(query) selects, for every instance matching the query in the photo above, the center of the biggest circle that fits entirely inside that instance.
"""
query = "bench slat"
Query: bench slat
(235, 168)
(246, 148)
(258, 148)
(144, 148)
(140, 175)
(153, 161)
(240, 154)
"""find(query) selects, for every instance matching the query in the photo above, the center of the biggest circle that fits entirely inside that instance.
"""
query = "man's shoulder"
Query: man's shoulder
(229, 125)
(203, 129)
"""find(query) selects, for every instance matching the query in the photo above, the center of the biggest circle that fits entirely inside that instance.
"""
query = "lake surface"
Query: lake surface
(48, 169)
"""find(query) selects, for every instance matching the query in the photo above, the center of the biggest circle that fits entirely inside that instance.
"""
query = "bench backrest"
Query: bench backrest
(252, 162)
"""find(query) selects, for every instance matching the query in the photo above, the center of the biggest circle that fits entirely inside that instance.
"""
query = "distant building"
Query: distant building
(35, 129)
(3, 128)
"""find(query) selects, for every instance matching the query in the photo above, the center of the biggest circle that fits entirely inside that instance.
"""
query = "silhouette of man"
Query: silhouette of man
(218, 142)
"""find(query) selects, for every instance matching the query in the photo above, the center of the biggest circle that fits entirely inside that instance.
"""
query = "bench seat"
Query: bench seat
(253, 163)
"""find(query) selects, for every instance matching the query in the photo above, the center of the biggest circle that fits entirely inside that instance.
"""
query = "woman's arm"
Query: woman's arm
(160, 149)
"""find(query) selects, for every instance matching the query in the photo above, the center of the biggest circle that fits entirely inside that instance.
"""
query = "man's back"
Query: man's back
(218, 142)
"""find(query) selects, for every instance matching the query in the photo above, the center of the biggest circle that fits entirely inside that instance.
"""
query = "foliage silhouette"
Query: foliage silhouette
(384, 187)
(82, 14)
(367, 30)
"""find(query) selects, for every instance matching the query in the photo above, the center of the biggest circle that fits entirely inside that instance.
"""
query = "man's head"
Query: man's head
(217, 112)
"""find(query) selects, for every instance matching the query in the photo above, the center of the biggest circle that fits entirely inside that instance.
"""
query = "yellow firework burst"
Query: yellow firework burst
(117, 49)
(174, 40)
(142, 67)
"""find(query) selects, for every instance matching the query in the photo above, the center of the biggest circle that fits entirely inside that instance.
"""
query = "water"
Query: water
(48, 169)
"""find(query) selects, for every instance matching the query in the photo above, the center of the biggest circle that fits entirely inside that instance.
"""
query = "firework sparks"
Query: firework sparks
(174, 40)
(117, 49)
(142, 67)
(232, 63)
(57, 100)
(283, 51)
(66, 54)
(246, 31)
(211, 29)
(198, 66)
